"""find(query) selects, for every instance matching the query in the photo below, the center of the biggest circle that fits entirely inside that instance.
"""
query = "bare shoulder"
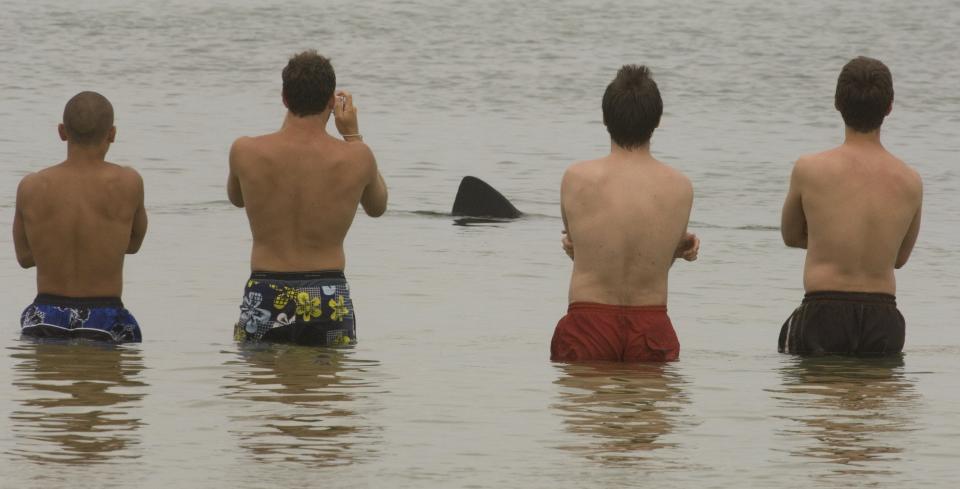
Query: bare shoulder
(358, 151)
(358, 157)
(31, 179)
(252, 142)
(912, 177)
(242, 147)
(573, 179)
(29, 184)
(679, 179)
(126, 173)
(915, 177)
(684, 185)
(812, 161)
(126, 178)
(40, 181)
(246, 149)
(811, 164)
(910, 173)
(132, 176)
(241, 143)
(580, 172)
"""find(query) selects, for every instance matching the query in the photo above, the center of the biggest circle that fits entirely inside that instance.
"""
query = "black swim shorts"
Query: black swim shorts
(844, 323)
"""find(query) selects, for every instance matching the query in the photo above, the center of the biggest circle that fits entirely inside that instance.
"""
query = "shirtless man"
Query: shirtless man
(75, 221)
(626, 217)
(301, 188)
(856, 210)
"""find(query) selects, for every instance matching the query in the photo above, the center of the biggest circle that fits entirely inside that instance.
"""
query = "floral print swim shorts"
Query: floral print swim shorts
(307, 308)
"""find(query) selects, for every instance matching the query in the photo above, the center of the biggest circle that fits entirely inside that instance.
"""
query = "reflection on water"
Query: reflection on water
(299, 404)
(78, 401)
(622, 410)
(845, 408)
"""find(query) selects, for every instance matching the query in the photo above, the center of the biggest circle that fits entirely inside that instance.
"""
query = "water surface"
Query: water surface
(450, 385)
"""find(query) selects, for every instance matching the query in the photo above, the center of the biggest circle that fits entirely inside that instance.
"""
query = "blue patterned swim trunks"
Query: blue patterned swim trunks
(94, 318)
(307, 308)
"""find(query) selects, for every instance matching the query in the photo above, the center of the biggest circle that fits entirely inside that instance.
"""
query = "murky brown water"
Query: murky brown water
(450, 384)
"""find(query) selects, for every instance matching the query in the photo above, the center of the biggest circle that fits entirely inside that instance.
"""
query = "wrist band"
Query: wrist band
(357, 135)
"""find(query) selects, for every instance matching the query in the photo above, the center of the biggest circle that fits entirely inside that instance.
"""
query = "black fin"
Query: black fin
(476, 198)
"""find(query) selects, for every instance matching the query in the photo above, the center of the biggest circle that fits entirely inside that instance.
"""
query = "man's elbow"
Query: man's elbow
(375, 206)
(795, 241)
(236, 198)
(800, 245)
(900, 262)
(134, 245)
(234, 191)
(26, 261)
(376, 211)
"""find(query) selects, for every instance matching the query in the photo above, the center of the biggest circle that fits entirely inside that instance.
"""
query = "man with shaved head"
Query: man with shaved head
(75, 221)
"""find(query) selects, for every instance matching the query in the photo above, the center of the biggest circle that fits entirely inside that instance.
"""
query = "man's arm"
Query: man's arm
(793, 222)
(234, 191)
(139, 228)
(906, 247)
(374, 198)
(20, 243)
(689, 246)
(565, 241)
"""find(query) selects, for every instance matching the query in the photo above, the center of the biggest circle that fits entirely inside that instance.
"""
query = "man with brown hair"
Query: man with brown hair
(75, 221)
(301, 188)
(625, 218)
(856, 210)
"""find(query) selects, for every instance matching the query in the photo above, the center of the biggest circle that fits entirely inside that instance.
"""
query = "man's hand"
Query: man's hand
(345, 114)
(567, 244)
(688, 247)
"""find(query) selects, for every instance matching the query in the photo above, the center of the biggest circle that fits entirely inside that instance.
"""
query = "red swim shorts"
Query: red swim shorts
(605, 332)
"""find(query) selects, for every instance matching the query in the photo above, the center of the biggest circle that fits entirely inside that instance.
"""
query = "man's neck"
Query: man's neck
(853, 137)
(311, 123)
(638, 152)
(86, 154)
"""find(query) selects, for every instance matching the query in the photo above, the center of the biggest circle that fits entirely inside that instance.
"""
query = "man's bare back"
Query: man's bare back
(301, 188)
(625, 221)
(626, 215)
(856, 209)
(76, 220)
(80, 218)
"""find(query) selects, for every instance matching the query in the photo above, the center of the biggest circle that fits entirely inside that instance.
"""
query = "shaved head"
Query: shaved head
(88, 118)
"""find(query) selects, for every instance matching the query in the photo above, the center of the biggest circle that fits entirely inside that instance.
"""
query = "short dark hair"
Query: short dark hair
(632, 106)
(308, 83)
(864, 93)
(88, 118)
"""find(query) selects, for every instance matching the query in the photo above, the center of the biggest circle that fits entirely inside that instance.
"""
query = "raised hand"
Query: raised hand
(345, 114)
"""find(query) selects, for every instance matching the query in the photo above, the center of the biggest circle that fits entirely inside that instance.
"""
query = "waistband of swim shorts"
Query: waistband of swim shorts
(63, 301)
(613, 308)
(858, 297)
(294, 276)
